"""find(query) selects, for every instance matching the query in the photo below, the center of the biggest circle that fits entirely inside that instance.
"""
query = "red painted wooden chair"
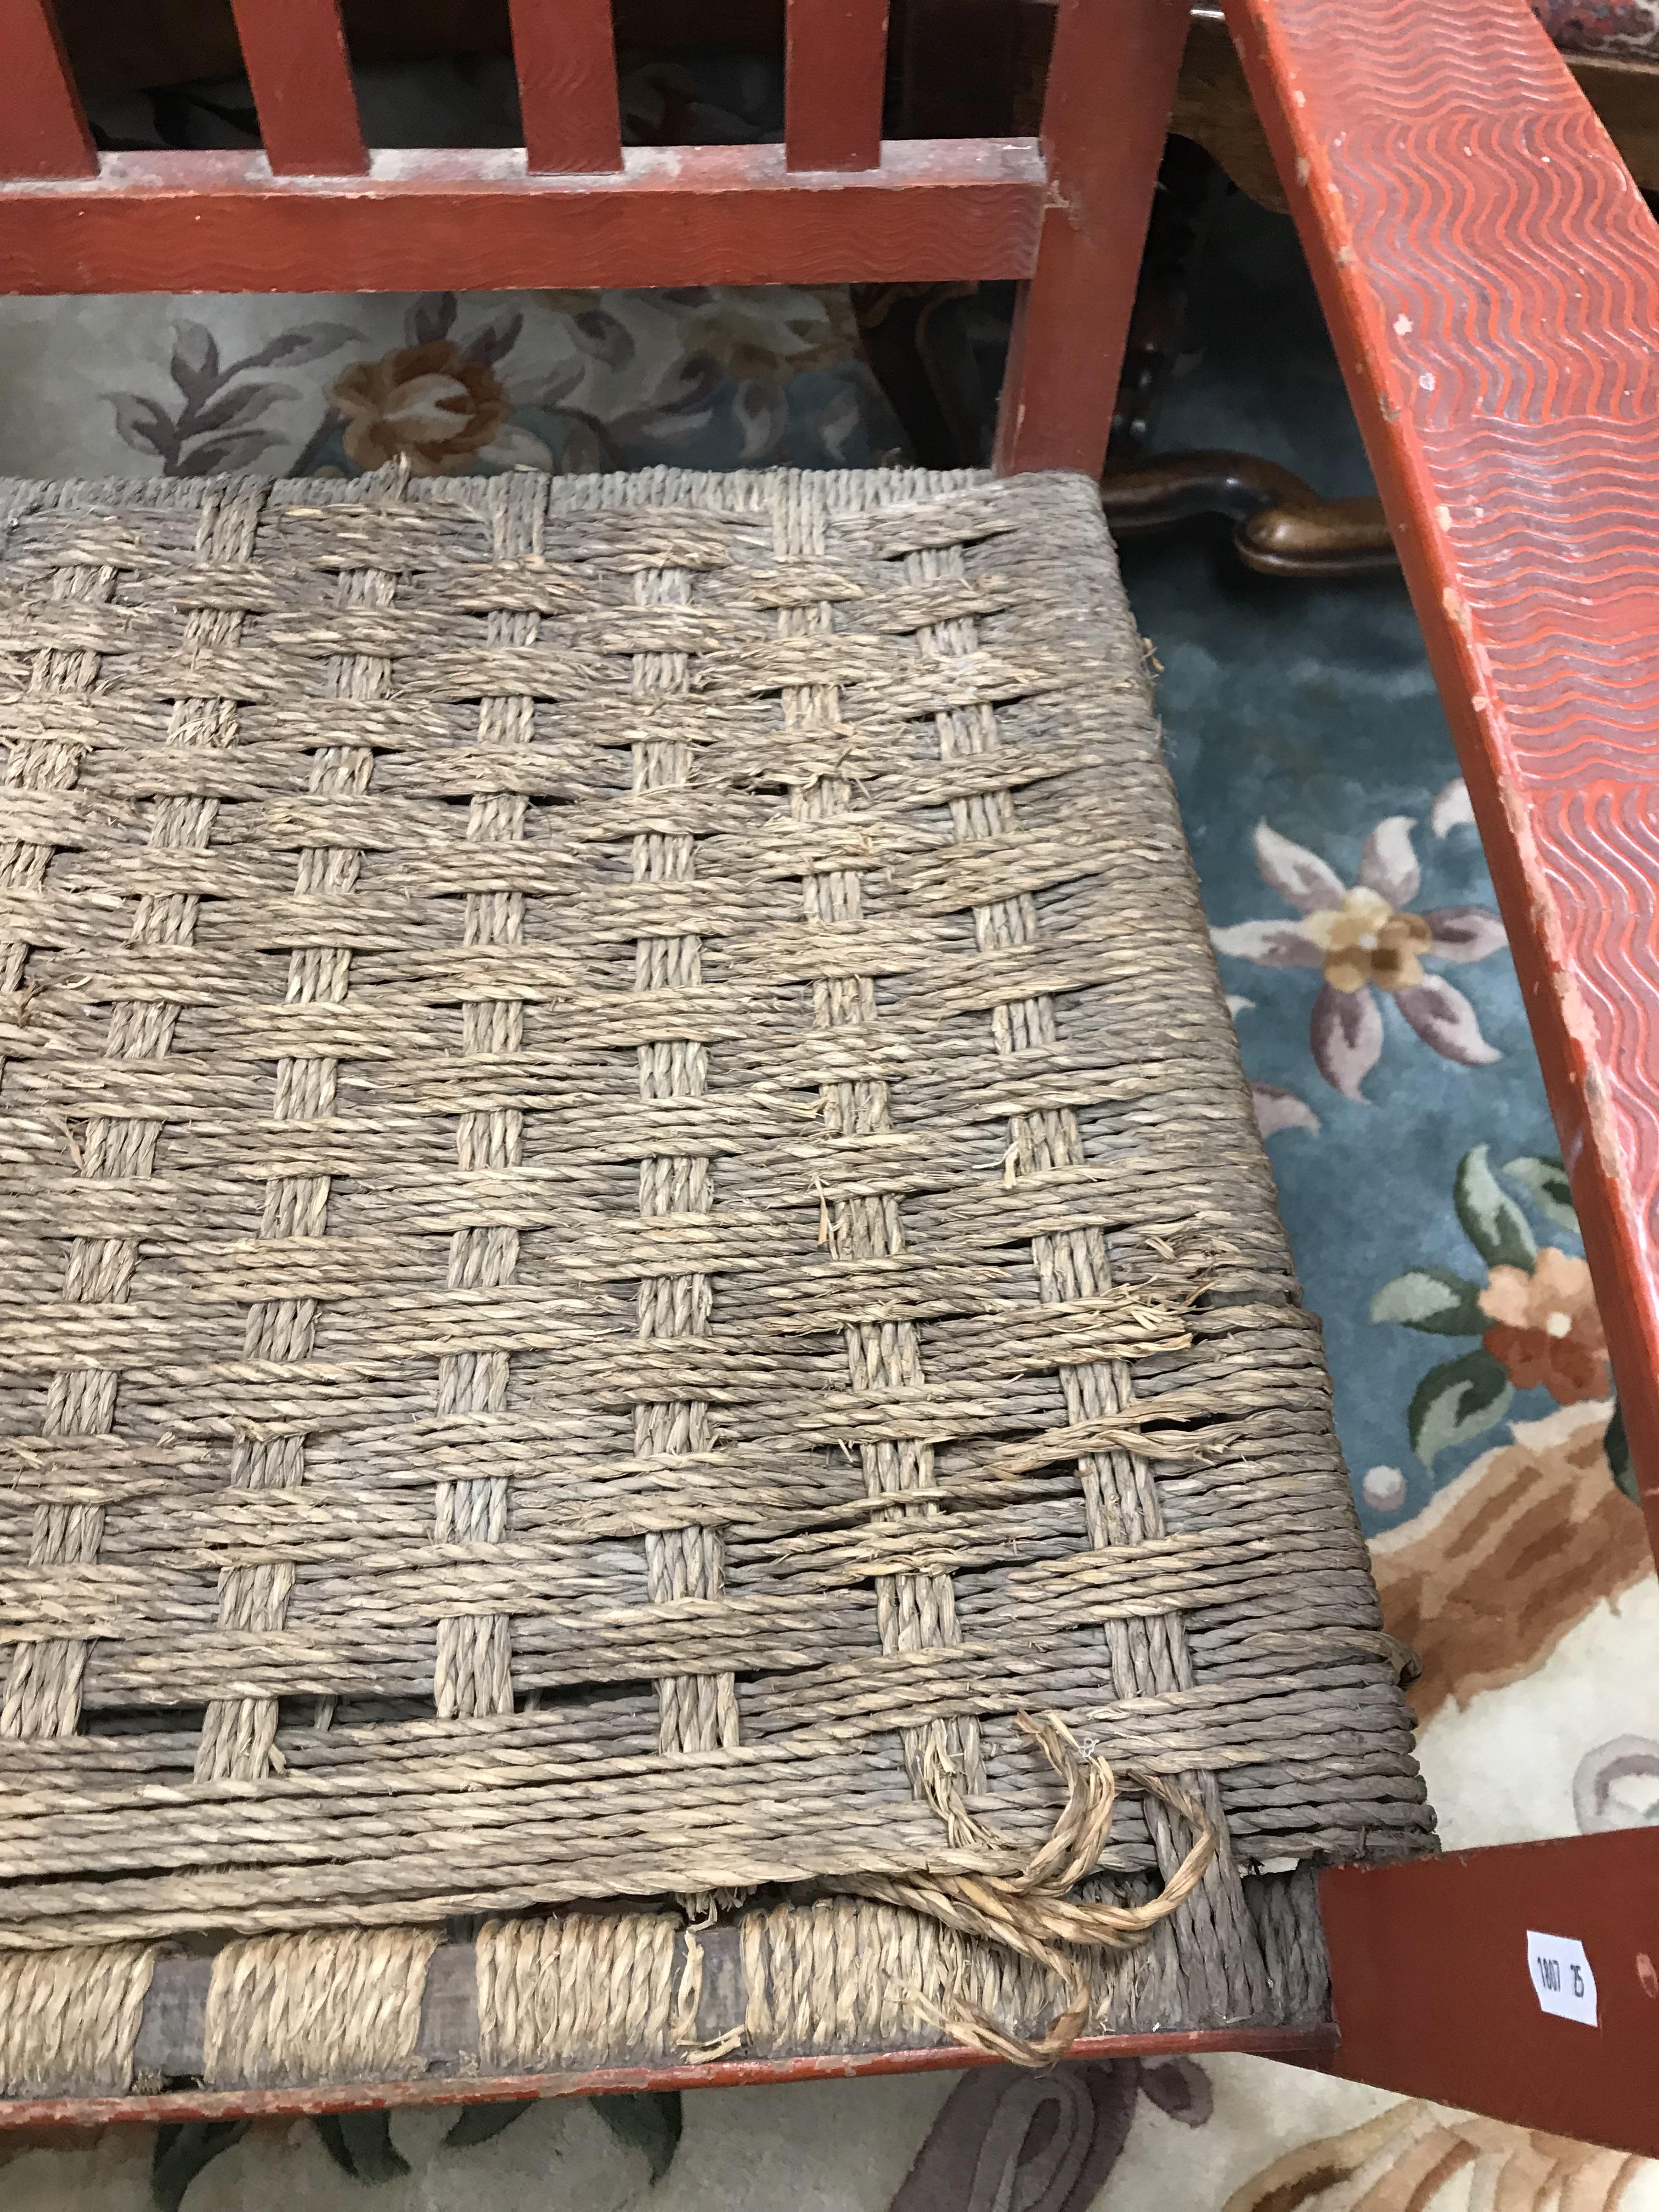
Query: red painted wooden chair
(1492, 280)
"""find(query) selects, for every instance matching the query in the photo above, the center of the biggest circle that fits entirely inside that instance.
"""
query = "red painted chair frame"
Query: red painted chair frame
(1428, 1959)
(1490, 277)
(1066, 213)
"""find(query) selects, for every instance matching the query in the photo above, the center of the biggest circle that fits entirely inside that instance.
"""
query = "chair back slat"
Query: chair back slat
(836, 72)
(43, 126)
(294, 53)
(834, 205)
(565, 52)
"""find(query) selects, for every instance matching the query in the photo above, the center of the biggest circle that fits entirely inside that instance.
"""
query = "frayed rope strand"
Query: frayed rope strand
(1032, 1912)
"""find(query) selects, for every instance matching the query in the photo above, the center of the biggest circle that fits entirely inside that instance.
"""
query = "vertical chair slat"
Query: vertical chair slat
(43, 127)
(295, 52)
(565, 52)
(835, 76)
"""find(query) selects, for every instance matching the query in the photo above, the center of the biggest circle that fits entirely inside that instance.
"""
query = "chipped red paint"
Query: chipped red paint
(1490, 275)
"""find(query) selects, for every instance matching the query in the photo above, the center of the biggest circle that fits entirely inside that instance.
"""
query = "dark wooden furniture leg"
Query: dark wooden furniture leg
(1190, 189)
(1282, 527)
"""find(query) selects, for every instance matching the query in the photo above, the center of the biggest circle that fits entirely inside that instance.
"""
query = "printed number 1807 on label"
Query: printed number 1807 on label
(1562, 1978)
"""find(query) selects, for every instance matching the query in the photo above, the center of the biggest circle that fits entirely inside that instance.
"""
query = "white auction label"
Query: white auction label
(1561, 1975)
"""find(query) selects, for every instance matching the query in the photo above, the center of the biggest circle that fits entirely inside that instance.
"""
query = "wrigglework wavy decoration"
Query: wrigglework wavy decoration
(1492, 275)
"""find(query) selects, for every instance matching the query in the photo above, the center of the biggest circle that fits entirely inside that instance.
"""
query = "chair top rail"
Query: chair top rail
(455, 219)
(299, 69)
(313, 209)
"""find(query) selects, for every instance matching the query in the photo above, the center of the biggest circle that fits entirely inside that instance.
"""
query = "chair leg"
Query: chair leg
(1442, 1990)
(1073, 320)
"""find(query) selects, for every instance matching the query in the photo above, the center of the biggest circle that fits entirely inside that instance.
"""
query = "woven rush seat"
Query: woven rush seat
(643, 1332)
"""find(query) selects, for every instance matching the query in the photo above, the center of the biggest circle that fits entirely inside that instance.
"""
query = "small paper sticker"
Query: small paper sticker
(1561, 1975)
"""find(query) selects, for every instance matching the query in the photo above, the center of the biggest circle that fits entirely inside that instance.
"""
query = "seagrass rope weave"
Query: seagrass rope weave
(629, 1231)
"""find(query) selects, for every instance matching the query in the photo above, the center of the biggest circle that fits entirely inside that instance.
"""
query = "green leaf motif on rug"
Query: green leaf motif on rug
(1544, 1182)
(1454, 1402)
(360, 2145)
(482, 2124)
(1616, 1444)
(1433, 1299)
(182, 2150)
(1535, 1314)
(1492, 1220)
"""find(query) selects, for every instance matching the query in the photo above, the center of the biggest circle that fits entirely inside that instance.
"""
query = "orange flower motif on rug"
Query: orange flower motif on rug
(434, 406)
(1545, 1329)
(1534, 1317)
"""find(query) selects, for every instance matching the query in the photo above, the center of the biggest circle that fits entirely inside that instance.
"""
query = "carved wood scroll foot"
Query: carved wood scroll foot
(1282, 526)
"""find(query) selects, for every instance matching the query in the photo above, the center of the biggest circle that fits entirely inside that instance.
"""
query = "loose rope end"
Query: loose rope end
(1033, 1914)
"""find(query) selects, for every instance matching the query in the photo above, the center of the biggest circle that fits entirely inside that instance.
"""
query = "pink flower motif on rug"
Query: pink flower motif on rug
(1364, 939)
(1276, 1108)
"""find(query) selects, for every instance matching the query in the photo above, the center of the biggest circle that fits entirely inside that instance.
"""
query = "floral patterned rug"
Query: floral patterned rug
(1383, 1029)
(1417, 1161)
